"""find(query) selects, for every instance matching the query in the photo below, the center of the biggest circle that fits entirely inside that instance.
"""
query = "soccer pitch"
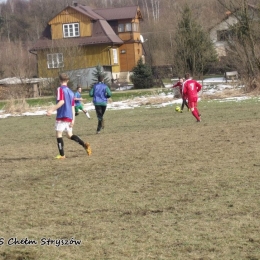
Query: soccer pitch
(158, 185)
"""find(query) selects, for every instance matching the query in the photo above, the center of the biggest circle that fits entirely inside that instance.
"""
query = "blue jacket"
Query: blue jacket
(100, 93)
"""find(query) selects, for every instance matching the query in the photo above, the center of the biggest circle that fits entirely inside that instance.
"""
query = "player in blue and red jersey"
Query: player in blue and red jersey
(65, 116)
(190, 89)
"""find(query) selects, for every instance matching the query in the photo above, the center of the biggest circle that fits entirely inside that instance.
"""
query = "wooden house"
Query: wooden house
(79, 38)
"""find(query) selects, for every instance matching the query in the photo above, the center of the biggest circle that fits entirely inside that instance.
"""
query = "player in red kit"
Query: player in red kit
(180, 85)
(190, 89)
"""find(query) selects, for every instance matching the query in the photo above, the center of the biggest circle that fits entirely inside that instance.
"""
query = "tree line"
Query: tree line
(177, 33)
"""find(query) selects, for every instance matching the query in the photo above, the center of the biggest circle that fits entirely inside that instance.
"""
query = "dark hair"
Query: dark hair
(100, 78)
(64, 77)
(78, 86)
(187, 75)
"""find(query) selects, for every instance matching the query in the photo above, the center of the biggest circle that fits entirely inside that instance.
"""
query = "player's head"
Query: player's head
(180, 79)
(187, 75)
(79, 88)
(100, 78)
(64, 77)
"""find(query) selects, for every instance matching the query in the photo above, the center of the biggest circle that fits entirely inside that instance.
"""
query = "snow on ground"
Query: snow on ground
(210, 87)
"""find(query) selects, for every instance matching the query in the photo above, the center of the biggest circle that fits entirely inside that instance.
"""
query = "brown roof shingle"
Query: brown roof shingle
(128, 12)
(88, 11)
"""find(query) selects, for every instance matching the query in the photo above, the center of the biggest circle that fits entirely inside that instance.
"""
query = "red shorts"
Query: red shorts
(192, 102)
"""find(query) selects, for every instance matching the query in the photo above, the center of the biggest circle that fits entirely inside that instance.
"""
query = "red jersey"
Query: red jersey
(191, 88)
(178, 84)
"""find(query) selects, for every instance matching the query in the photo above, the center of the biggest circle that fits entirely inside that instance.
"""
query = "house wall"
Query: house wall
(126, 57)
(126, 36)
(77, 58)
(138, 47)
(69, 15)
(85, 77)
(221, 46)
(224, 25)
(130, 52)
(129, 55)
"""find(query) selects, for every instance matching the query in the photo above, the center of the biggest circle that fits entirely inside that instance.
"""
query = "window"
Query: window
(121, 27)
(70, 30)
(115, 58)
(55, 60)
(224, 35)
(128, 27)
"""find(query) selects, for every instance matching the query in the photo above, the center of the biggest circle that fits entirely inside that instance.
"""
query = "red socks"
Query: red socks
(195, 113)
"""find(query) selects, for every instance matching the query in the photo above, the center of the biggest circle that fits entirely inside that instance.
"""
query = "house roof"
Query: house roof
(88, 11)
(85, 10)
(102, 31)
(15, 81)
(102, 34)
(128, 12)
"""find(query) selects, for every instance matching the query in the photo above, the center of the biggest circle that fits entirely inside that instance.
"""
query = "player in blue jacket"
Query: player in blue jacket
(100, 93)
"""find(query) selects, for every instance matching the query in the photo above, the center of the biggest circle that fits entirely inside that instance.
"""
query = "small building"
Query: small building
(22, 87)
(79, 38)
(221, 33)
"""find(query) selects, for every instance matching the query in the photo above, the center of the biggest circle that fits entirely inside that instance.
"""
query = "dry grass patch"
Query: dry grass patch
(152, 100)
(16, 106)
(227, 93)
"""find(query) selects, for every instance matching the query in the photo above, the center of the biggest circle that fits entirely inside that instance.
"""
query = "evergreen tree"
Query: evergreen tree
(194, 51)
(99, 71)
(142, 75)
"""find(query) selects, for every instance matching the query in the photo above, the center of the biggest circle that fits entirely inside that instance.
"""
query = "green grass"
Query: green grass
(157, 186)
(116, 96)
(34, 102)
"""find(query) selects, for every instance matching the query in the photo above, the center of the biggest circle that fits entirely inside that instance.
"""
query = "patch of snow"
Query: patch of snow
(125, 88)
(161, 97)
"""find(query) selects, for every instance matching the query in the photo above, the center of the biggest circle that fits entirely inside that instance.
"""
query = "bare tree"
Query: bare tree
(244, 47)
(11, 3)
(147, 10)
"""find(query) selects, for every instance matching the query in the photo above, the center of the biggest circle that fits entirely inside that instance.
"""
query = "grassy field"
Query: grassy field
(157, 186)
(117, 96)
